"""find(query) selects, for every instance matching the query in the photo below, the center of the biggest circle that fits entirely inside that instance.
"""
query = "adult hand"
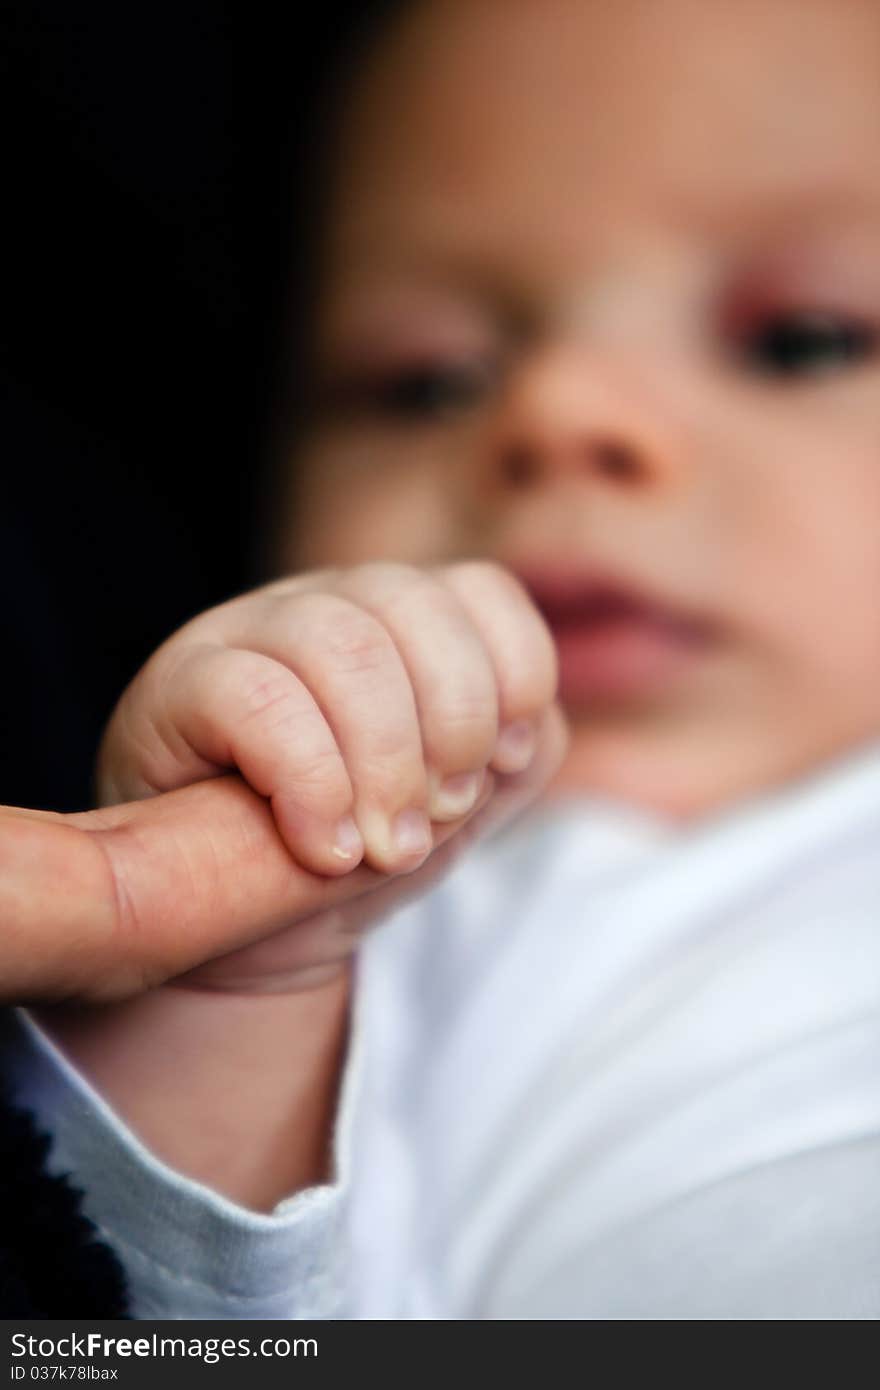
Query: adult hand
(103, 905)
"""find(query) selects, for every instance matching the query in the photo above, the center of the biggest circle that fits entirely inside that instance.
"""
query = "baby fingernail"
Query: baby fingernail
(347, 842)
(411, 832)
(515, 747)
(455, 796)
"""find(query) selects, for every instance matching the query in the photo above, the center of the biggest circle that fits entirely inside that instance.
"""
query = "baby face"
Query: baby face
(600, 301)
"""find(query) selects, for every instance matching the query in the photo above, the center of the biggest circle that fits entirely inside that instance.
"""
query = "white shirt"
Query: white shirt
(611, 1072)
(602, 1071)
(187, 1251)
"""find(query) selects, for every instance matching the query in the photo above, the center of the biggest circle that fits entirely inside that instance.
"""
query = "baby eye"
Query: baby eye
(434, 392)
(416, 394)
(807, 344)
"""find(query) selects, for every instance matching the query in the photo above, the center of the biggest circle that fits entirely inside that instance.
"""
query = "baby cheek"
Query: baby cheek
(804, 520)
(350, 503)
(833, 620)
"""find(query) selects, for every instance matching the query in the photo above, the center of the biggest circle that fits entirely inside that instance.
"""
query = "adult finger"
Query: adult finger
(307, 954)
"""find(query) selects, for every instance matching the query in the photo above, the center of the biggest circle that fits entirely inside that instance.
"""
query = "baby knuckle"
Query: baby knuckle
(476, 571)
(530, 685)
(391, 590)
(391, 777)
(263, 693)
(357, 642)
(539, 660)
(468, 709)
(321, 773)
(387, 574)
(547, 670)
(336, 629)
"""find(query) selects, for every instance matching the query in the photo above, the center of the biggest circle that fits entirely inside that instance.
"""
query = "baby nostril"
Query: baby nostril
(616, 461)
(522, 464)
(519, 465)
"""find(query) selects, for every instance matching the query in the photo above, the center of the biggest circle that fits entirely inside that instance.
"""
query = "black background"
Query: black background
(149, 207)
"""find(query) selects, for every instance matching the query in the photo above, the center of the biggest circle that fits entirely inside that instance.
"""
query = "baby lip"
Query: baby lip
(569, 599)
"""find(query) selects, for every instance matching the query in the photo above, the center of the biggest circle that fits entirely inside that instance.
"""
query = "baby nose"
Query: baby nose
(566, 414)
(523, 463)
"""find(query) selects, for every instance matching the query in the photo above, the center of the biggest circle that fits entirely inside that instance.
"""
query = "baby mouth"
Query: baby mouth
(614, 643)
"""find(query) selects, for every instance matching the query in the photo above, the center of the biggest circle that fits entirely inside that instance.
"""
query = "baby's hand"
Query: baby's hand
(364, 703)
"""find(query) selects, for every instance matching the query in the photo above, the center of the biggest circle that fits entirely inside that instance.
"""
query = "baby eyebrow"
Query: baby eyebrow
(826, 207)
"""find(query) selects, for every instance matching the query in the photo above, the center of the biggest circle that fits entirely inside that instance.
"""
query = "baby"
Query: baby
(593, 411)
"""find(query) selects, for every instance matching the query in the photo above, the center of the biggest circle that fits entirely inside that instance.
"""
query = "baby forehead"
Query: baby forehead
(479, 102)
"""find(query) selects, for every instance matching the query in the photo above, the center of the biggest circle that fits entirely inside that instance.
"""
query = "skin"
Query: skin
(583, 227)
(161, 886)
(365, 703)
(176, 885)
(578, 235)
